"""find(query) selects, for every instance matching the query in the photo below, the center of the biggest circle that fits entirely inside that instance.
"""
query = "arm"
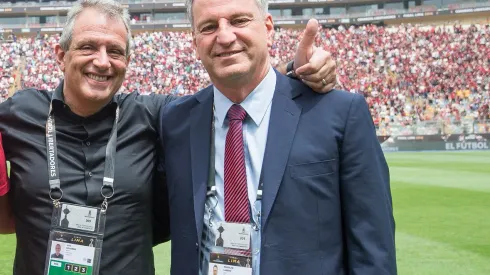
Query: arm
(161, 211)
(6, 217)
(367, 211)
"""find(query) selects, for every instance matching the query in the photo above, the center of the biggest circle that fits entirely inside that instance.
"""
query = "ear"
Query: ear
(269, 25)
(60, 57)
(194, 45)
(128, 59)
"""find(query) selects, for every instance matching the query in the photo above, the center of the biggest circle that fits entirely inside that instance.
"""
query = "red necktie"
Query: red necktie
(236, 192)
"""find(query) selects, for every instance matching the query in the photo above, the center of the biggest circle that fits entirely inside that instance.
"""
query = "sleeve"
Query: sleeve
(367, 211)
(161, 101)
(6, 114)
(161, 211)
(4, 183)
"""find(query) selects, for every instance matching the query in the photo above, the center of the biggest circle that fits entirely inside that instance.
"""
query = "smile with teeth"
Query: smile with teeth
(97, 78)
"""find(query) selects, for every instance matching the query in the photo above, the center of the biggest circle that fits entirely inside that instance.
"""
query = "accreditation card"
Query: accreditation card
(71, 254)
(223, 264)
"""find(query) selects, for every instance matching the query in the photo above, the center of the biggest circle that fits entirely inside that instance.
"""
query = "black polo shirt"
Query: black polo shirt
(128, 241)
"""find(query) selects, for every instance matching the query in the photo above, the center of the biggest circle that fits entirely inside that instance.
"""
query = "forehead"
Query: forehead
(91, 23)
(206, 9)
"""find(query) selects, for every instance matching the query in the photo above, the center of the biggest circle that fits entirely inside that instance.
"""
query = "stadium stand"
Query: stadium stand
(407, 73)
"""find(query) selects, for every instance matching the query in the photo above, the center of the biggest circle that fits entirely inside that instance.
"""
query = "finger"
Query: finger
(323, 73)
(328, 73)
(316, 86)
(320, 87)
(318, 59)
(330, 80)
(306, 69)
(306, 43)
(328, 88)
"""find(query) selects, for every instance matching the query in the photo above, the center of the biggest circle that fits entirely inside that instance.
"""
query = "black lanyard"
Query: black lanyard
(55, 192)
(211, 191)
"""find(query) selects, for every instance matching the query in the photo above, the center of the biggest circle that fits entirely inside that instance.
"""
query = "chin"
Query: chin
(97, 95)
(233, 74)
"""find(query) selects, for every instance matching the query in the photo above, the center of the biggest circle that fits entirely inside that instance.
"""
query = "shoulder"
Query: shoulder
(178, 112)
(151, 101)
(335, 99)
(30, 97)
(335, 108)
(183, 105)
(150, 104)
(28, 102)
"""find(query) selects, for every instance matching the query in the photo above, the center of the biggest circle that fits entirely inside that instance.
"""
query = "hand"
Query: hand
(312, 64)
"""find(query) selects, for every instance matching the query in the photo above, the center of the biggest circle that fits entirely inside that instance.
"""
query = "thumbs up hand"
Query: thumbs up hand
(314, 66)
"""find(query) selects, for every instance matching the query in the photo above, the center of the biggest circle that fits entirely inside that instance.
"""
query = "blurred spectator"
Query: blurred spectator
(408, 74)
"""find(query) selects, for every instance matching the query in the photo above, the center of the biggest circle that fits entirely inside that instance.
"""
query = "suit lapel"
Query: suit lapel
(200, 138)
(285, 114)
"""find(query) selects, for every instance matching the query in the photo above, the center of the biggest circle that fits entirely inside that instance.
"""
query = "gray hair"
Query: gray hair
(262, 4)
(110, 8)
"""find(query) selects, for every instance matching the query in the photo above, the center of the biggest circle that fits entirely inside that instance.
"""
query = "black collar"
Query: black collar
(61, 108)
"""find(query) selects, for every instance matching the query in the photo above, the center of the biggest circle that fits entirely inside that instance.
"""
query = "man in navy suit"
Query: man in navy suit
(289, 180)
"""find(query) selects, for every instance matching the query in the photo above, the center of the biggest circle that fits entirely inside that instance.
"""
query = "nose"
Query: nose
(102, 61)
(226, 35)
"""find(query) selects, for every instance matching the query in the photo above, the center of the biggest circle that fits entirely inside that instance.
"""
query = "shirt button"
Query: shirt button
(90, 174)
(87, 143)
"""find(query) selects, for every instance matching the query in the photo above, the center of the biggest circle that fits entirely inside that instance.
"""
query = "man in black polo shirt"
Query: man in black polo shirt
(94, 54)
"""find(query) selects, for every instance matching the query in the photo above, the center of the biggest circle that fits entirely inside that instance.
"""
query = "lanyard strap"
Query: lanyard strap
(211, 190)
(55, 192)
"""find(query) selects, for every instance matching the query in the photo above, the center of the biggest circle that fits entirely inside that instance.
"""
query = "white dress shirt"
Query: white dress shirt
(255, 129)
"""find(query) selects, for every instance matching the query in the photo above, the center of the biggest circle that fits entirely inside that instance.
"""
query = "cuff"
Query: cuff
(290, 70)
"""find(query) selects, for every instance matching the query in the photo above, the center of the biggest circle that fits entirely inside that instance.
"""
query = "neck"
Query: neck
(84, 108)
(236, 95)
(236, 90)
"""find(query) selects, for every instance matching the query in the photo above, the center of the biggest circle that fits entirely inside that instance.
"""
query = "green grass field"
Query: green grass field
(442, 210)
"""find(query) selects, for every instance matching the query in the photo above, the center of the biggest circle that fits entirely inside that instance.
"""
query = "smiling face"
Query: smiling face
(231, 38)
(95, 64)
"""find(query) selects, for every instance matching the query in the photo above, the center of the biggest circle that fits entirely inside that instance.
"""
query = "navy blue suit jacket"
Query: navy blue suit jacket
(327, 205)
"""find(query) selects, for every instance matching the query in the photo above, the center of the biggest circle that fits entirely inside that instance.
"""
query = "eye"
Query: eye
(208, 28)
(241, 21)
(116, 52)
(86, 49)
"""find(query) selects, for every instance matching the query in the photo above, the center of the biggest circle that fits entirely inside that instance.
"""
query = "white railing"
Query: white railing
(436, 128)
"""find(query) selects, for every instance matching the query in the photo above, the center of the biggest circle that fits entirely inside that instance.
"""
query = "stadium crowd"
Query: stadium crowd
(407, 73)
